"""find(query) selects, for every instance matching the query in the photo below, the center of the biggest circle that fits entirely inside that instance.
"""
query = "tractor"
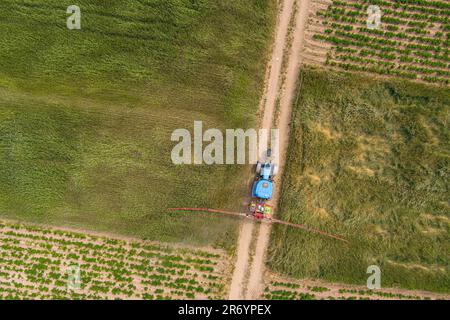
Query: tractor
(262, 189)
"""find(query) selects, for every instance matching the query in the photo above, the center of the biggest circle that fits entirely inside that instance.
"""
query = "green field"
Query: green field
(368, 160)
(86, 115)
(412, 40)
(36, 263)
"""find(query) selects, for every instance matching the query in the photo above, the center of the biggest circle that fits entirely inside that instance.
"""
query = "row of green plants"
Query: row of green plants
(406, 12)
(35, 260)
(285, 290)
(405, 45)
(434, 7)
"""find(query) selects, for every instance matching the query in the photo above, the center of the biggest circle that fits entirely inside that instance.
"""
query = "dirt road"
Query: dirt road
(284, 91)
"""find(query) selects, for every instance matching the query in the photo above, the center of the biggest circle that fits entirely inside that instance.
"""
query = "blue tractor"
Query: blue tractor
(263, 185)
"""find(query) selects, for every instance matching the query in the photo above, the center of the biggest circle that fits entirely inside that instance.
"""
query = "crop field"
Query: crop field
(279, 288)
(412, 40)
(369, 161)
(38, 263)
(86, 116)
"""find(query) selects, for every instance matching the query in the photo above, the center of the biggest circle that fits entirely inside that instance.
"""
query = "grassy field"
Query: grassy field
(368, 160)
(86, 115)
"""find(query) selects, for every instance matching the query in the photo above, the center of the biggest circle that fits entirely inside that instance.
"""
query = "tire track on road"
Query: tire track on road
(285, 91)
(255, 286)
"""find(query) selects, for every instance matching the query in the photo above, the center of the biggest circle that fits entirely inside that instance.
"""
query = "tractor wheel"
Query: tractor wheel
(258, 167)
(274, 170)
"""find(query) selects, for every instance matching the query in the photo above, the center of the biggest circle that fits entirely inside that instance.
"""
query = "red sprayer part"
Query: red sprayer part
(271, 220)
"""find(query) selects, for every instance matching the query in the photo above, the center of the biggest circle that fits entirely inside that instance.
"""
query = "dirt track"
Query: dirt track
(285, 91)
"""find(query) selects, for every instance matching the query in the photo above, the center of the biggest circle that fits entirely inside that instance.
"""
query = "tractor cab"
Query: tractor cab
(266, 171)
